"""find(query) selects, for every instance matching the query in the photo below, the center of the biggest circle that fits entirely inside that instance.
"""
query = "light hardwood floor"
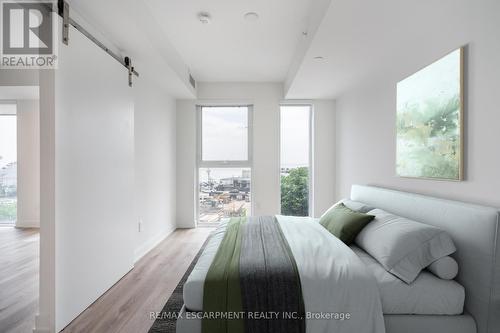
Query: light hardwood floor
(124, 308)
(19, 263)
(127, 305)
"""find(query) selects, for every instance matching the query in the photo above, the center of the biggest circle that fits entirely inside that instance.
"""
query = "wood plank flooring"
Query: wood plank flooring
(127, 305)
(124, 308)
(19, 265)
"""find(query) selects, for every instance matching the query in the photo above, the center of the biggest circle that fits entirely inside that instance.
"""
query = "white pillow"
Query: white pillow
(445, 268)
(404, 247)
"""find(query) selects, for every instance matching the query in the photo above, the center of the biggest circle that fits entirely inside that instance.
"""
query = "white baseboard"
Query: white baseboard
(41, 325)
(142, 250)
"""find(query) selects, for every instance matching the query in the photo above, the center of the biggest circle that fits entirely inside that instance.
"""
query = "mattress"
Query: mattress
(427, 295)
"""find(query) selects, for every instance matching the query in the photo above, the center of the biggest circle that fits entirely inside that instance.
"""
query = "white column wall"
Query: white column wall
(323, 155)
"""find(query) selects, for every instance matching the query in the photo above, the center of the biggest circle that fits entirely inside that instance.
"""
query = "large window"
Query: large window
(295, 159)
(8, 163)
(224, 162)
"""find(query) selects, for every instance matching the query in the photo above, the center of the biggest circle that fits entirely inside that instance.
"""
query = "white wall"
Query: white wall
(324, 155)
(28, 163)
(266, 98)
(94, 176)
(46, 316)
(18, 77)
(366, 114)
(108, 161)
(155, 178)
(87, 140)
(185, 163)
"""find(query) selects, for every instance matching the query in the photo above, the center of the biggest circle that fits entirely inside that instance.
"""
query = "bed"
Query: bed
(469, 304)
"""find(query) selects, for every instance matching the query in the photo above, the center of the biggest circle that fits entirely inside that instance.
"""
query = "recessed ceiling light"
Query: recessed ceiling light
(204, 18)
(251, 16)
(318, 58)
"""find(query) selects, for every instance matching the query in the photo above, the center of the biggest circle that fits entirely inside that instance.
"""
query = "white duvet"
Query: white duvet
(339, 294)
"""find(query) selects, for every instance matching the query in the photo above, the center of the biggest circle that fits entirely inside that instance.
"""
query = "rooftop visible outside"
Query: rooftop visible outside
(223, 192)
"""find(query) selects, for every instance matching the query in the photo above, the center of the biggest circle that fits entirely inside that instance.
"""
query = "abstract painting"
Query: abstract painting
(430, 121)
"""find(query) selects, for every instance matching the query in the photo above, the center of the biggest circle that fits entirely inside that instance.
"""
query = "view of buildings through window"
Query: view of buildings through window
(224, 192)
(8, 164)
(224, 173)
(295, 157)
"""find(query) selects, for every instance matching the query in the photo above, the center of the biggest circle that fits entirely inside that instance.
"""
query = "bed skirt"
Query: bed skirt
(393, 324)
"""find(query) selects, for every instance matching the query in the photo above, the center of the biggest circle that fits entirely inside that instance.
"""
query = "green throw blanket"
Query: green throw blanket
(253, 284)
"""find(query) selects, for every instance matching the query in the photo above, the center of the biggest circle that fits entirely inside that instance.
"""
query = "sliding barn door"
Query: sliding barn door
(94, 175)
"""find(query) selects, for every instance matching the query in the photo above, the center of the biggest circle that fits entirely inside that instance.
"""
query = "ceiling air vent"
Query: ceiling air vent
(192, 81)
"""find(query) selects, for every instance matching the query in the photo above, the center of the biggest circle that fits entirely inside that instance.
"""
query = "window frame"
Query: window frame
(311, 151)
(200, 163)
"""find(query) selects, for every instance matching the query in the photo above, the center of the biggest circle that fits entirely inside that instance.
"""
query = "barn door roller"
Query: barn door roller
(63, 11)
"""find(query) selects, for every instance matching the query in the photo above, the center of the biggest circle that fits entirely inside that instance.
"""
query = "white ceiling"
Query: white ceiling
(167, 42)
(128, 28)
(231, 48)
(359, 40)
(363, 41)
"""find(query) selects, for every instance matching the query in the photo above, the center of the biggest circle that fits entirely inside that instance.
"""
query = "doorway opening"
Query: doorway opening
(8, 163)
(19, 204)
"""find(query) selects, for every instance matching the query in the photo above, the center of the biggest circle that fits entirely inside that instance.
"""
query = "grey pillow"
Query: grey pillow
(403, 246)
(445, 268)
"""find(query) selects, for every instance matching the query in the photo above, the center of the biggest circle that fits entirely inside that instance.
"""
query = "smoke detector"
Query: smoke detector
(251, 16)
(204, 18)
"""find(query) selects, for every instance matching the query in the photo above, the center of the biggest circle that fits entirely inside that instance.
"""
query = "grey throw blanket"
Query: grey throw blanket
(269, 279)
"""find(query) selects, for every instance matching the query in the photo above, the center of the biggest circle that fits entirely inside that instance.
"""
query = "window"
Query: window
(295, 159)
(224, 163)
(224, 134)
(8, 163)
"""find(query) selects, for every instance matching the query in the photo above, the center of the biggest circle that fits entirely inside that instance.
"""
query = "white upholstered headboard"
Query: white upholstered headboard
(474, 230)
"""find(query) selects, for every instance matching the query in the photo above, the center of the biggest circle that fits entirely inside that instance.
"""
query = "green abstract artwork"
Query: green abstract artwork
(429, 121)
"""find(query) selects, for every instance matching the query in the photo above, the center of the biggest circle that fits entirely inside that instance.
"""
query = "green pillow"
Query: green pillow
(344, 223)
